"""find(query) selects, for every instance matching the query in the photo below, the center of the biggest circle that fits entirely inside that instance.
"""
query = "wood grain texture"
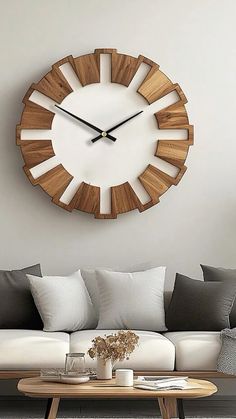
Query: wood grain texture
(36, 151)
(54, 408)
(171, 405)
(87, 68)
(123, 68)
(155, 182)
(164, 408)
(173, 117)
(173, 151)
(53, 85)
(54, 182)
(87, 199)
(102, 389)
(155, 86)
(34, 116)
(124, 199)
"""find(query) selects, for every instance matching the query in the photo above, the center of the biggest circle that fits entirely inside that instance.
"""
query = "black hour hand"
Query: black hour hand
(102, 133)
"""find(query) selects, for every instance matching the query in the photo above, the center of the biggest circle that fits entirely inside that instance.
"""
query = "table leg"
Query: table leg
(167, 407)
(52, 408)
(180, 406)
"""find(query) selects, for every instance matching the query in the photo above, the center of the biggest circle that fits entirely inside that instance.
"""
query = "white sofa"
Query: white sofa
(22, 350)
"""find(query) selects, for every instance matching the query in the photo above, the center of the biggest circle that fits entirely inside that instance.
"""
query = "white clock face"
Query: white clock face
(104, 163)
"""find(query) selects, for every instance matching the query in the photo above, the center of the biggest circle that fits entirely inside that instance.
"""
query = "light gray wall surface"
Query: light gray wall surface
(194, 42)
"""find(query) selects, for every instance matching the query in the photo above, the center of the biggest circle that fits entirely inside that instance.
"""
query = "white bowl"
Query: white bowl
(65, 378)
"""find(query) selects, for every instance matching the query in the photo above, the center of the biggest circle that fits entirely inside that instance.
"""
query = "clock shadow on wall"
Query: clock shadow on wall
(105, 133)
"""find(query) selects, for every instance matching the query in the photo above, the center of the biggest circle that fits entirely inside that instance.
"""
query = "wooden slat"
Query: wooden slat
(155, 86)
(87, 68)
(123, 68)
(87, 199)
(36, 151)
(173, 117)
(173, 151)
(124, 199)
(54, 85)
(54, 182)
(34, 116)
(155, 182)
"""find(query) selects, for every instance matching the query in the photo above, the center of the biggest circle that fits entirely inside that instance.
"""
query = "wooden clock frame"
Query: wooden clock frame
(123, 68)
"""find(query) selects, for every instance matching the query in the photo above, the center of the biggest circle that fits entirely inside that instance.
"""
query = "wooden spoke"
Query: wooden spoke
(54, 182)
(123, 68)
(87, 68)
(87, 199)
(173, 117)
(173, 151)
(155, 182)
(53, 85)
(34, 116)
(35, 152)
(124, 199)
(155, 86)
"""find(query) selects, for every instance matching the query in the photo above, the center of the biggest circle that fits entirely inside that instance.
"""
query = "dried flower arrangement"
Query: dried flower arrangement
(116, 347)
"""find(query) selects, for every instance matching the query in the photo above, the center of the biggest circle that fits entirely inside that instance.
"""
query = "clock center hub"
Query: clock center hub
(104, 133)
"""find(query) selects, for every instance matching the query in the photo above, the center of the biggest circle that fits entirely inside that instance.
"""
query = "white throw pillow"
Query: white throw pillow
(63, 302)
(89, 277)
(132, 300)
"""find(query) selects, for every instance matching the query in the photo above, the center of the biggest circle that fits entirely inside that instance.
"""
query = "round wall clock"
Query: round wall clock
(105, 133)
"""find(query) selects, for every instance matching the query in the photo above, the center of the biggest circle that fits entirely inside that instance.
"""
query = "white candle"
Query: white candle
(124, 377)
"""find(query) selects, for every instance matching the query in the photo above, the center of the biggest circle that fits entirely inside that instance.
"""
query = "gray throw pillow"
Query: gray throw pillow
(198, 305)
(63, 302)
(221, 274)
(132, 300)
(17, 308)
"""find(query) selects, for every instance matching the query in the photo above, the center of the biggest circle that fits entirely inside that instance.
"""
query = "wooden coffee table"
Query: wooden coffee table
(99, 389)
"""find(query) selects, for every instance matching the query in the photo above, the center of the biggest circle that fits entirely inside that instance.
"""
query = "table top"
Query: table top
(104, 389)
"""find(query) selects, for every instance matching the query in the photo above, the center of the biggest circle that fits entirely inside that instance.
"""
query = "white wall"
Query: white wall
(194, 42)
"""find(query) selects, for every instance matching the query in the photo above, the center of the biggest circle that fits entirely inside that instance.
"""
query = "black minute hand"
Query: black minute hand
(116, 126)
(103, 133)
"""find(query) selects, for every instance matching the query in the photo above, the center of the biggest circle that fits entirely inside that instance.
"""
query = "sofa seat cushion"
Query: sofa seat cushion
(195, 350)
(32, 349)
(154, 351)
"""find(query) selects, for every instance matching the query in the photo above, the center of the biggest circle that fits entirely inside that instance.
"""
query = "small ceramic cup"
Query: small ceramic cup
(124, 377)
